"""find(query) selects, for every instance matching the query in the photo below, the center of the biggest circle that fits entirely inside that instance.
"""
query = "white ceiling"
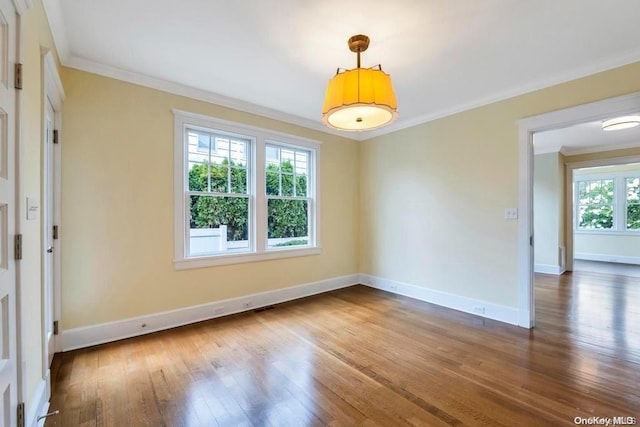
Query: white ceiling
(275, 57)
(585, 138)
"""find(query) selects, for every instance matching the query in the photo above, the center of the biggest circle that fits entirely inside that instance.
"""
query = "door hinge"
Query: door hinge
(21, 414)
(17, 246)
(530, 240)
(55, 136)
(55, 327)
(55, 232)
(17, 76)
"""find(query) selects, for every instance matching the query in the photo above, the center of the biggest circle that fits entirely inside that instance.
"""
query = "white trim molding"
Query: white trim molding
(468, 305)
(180, 89)
(135, 326)
(257, 140)
(598, 110)
(619, 259)
(39, 403)
(55, 17)
(556, 270)
(52, 82)
(22, 6)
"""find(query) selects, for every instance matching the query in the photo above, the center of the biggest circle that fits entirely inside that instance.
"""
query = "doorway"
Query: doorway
(49, 233)
(527, 128)
(53, 98)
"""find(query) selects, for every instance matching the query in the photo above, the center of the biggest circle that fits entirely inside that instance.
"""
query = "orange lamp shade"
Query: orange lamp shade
(359, 99)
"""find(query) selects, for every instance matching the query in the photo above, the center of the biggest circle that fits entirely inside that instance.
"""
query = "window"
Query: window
(242, 193)
(287, 172)
(595, 204)
(218, 193)
(607, 202)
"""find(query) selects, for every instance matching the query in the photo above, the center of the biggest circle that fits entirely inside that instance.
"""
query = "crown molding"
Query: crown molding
(53, 12)
(195, 93)
(22, 5)
(55, 17)
(625, 59)
(572, 151)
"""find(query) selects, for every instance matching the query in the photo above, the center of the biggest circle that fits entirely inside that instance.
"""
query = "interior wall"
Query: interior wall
(117, 207)
(433, 196)
(548, 213)
(37, 36)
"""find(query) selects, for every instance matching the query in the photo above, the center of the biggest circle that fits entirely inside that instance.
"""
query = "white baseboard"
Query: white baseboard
(607, 258)
(126, 328)
(456, 302)
(39, 403)
(548, 269)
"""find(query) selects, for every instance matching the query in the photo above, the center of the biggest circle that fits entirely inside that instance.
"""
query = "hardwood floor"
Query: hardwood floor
(618, 269)
(359, 356)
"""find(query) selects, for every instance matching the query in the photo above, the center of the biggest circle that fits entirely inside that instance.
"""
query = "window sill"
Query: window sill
(608, 232)
(227, 259)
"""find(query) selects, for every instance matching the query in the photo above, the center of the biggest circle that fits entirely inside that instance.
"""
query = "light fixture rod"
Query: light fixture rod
(358, 44)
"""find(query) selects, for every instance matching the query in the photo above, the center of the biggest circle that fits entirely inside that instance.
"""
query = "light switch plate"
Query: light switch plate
(32, 208)
(511, 213)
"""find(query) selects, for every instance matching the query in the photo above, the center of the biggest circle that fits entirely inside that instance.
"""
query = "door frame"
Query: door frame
(53, 92)
(598, 110)
(570, 201)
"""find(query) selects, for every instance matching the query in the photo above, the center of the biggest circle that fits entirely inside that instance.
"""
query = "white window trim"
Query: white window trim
(257, 200)
(619, 203)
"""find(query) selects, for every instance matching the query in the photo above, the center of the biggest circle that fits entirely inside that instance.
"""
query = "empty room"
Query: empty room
(297, 213)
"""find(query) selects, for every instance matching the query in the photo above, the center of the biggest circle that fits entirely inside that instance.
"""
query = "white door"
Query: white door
(48, 241)
(8, 326)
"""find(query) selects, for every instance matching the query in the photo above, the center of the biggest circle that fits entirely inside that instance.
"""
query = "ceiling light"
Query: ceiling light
(618, 123)
(361, 98)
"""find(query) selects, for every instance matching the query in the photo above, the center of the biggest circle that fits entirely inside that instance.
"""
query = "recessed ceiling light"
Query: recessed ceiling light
(618, 123)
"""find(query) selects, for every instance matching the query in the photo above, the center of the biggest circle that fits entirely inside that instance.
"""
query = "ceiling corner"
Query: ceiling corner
(53, 12)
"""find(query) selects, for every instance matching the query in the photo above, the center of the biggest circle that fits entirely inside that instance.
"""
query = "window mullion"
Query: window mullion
(279, 172)
(259, 192)
(209, 166)
(295, 167)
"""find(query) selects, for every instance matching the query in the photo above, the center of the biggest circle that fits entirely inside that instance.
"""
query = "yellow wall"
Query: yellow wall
(433, 196)
(548, 209)
(36, 36)
(117, 207)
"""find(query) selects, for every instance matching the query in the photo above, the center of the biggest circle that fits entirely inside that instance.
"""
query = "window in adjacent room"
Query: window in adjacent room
(595, 204)
(607, 201)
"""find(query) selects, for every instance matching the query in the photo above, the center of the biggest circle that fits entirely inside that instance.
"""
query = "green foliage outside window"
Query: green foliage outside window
(286, 217)
(633, 203)
(210, 211)
(596, 204)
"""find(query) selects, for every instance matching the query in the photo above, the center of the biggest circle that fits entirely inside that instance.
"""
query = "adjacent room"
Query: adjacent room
(319, 213)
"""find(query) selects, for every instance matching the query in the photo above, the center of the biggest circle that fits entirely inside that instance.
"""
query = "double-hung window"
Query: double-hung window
(607, 202)
(288, 201)
(242, 193)
(595, 203)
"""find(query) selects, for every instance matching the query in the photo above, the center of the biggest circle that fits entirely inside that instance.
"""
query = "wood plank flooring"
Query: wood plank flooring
(360, 356)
